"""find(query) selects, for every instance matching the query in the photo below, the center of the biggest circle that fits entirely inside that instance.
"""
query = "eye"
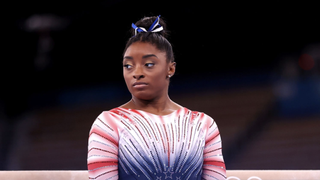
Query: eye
(128, 66)
(149, 64)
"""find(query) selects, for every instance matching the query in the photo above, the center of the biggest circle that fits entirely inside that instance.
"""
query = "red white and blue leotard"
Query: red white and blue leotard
(134, 144)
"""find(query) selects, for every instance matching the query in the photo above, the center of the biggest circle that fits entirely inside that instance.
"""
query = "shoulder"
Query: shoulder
(198, 113)
(107, 120)
(203, 116)
(109, 115)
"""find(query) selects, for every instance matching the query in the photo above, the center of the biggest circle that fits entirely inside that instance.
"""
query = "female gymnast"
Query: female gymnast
(152, 137)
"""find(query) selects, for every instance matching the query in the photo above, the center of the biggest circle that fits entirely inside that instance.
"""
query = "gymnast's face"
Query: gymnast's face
(146, 70)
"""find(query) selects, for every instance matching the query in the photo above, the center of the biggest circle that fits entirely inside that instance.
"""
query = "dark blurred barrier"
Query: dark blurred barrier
(298, 97)
(232, 175)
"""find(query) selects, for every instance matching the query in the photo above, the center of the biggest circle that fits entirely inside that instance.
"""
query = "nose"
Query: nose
(138, 73)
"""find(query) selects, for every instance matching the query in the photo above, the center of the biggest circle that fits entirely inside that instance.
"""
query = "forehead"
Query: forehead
(140, 49)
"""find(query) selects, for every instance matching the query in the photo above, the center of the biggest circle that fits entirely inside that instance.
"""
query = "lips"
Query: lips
(139, 84)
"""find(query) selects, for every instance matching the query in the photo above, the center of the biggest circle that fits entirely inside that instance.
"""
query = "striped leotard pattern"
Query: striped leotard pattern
(133, 144)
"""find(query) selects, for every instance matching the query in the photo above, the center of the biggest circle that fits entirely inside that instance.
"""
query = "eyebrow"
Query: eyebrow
(143, 57)
(149, 55)
(127, 57)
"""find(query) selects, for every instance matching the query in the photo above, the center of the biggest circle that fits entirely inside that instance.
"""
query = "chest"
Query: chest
(158, 145)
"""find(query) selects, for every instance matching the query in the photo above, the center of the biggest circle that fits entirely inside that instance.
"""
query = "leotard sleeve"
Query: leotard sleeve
(103, 148)
(213, 165)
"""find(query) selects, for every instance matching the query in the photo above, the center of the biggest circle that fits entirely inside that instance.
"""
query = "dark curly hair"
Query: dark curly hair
(158, 39)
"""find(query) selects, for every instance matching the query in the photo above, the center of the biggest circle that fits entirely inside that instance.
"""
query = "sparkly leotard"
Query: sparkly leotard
(134, 144)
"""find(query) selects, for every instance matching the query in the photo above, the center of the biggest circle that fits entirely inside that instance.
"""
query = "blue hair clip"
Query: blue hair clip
(152, 28)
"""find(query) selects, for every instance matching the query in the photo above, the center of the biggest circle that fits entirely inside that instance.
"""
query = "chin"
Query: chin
(144, 96)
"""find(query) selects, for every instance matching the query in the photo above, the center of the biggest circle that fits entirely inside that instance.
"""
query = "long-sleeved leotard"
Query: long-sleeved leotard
(133, 144)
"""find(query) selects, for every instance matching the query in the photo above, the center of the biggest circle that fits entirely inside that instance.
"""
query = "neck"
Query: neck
(161, 106)
(157, 106)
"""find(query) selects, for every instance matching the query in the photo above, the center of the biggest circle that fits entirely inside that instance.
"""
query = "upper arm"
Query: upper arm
(103, 148)
(213, 164)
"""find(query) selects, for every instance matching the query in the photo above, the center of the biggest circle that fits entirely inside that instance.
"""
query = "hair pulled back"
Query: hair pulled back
(158, 39)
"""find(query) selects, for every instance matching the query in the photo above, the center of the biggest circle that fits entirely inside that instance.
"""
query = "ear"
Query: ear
(172, 68)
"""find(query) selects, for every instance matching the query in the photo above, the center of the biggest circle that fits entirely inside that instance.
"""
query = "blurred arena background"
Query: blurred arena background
(254, 68)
